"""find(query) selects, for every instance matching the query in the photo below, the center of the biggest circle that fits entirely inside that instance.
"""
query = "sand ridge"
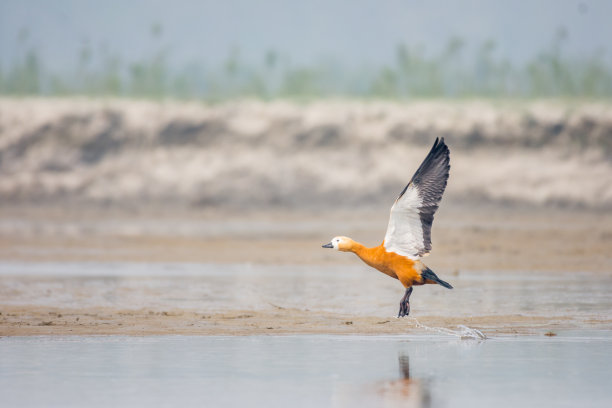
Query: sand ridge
(280, 154)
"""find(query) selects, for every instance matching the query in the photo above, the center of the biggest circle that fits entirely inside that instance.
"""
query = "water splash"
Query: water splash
(463, 332)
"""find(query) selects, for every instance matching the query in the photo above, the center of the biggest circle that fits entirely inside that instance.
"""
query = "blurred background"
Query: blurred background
(236, 103)
(282, 104)
(216, 51)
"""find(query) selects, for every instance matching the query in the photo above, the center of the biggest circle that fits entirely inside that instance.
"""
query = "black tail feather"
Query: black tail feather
(430, 275)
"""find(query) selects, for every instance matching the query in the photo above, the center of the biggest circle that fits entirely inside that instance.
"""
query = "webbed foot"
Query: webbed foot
(405, 304)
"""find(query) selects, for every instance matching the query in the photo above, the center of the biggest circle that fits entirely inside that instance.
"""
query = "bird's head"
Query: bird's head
(340, 244)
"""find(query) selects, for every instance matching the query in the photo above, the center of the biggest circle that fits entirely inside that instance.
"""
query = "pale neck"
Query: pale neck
(358, 248)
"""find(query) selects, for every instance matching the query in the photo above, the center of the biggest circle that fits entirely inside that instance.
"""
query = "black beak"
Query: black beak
(327, 245)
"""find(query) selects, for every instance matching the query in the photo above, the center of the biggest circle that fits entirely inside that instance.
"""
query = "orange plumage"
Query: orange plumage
(406, 270)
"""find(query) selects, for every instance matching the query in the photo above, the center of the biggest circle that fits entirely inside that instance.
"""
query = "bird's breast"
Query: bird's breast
(392, 264)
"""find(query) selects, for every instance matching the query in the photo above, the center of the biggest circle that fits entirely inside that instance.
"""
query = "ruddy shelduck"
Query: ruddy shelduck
(408, 236)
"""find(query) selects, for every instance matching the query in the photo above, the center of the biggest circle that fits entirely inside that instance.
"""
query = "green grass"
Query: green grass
(413, 73)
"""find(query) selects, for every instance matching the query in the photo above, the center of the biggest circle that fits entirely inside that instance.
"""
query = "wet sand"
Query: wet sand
(27, 321)
(465, 237)
(154, 272)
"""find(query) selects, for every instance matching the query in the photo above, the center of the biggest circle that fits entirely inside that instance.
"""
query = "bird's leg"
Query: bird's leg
(405, 303)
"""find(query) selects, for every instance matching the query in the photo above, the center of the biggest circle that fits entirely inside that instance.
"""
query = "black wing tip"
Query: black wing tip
(439, 147)
(439, 153)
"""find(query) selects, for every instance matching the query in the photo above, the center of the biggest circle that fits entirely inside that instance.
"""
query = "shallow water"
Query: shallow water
(356, 290)
(572, 369)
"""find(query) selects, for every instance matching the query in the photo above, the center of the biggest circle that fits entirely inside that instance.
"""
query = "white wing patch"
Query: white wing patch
(405, 232)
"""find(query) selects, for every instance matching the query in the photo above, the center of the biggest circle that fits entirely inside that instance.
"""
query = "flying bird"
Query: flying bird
(408, 236)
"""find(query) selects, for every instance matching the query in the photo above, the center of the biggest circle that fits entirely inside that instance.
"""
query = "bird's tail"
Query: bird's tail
(428, 274)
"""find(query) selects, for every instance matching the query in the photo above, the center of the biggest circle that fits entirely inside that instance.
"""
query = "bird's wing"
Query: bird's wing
(409, 230)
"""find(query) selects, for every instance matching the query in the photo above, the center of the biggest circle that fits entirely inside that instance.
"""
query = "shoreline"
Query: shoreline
(34, 321)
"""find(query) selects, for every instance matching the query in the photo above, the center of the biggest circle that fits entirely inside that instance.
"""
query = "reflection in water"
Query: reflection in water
(404, 365)
(306, 371)
(403, 392)
(407, 391)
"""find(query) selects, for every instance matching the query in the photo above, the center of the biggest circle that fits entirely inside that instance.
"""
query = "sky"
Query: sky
(351, 32)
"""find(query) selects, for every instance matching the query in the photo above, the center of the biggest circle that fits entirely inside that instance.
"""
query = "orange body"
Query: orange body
(406, 270)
